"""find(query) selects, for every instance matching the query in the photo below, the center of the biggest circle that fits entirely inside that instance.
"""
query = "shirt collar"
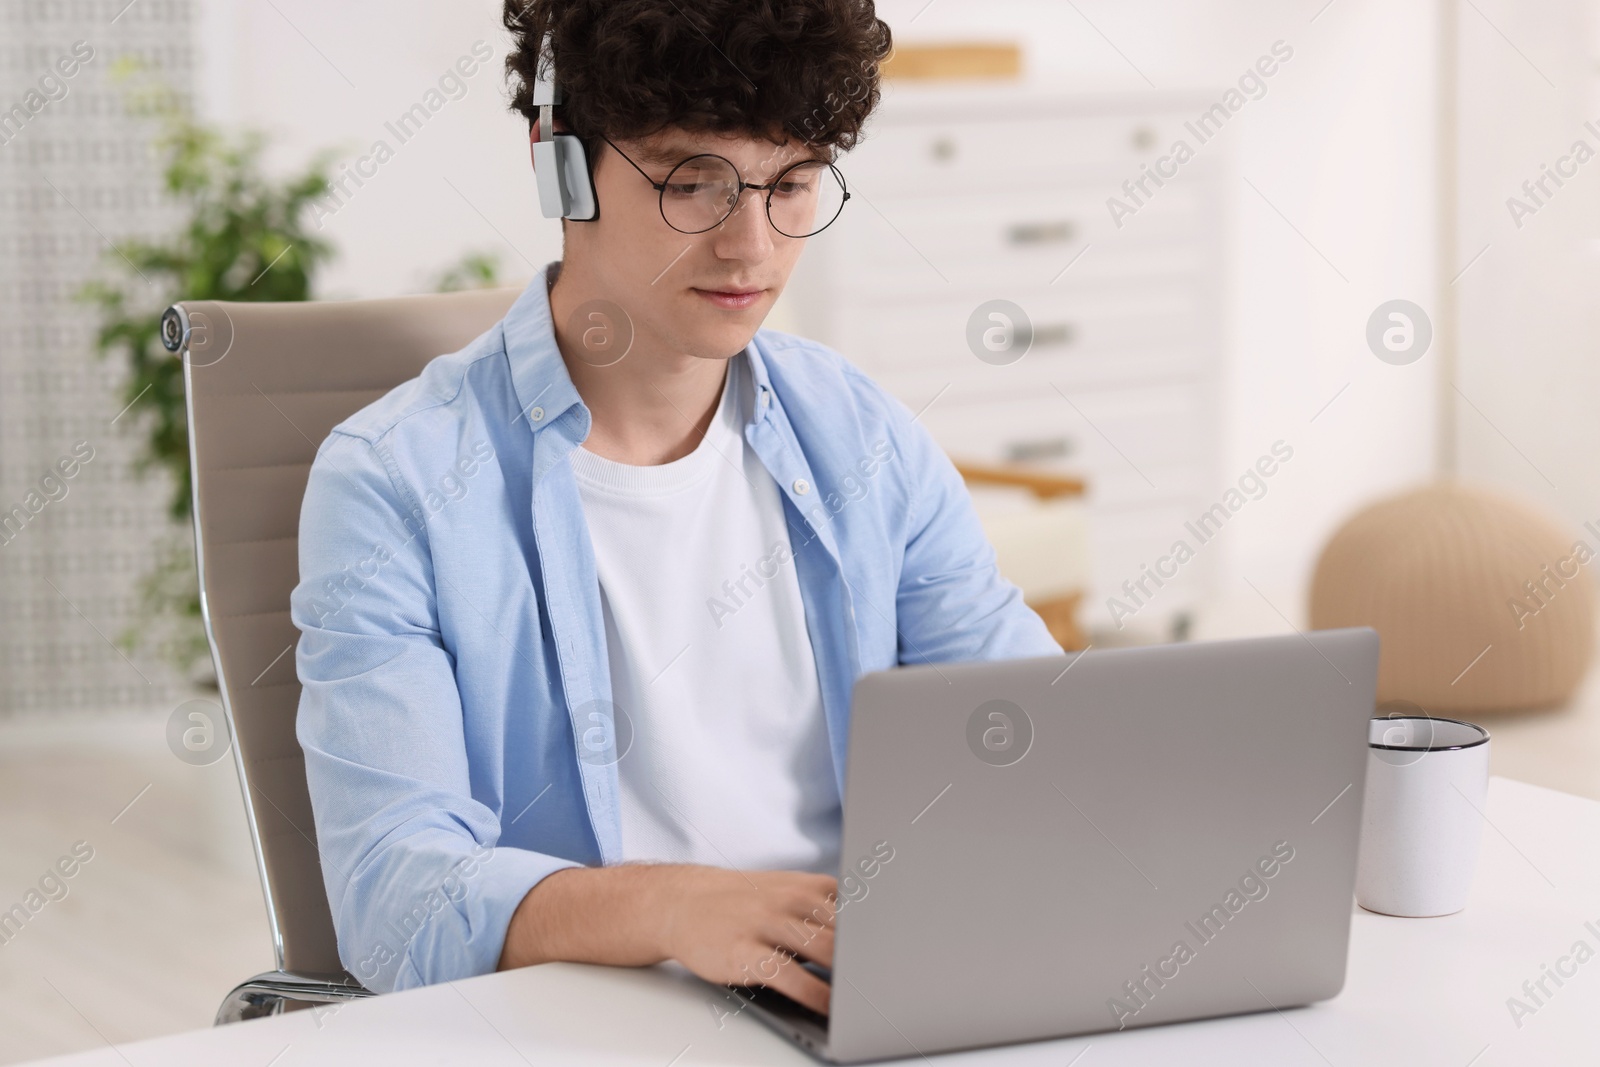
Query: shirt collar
(544, 389)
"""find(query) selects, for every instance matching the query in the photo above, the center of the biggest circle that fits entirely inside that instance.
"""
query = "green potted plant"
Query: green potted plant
(245, 236)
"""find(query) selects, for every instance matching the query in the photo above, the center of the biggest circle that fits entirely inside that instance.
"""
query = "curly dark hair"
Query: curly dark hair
(806, 69)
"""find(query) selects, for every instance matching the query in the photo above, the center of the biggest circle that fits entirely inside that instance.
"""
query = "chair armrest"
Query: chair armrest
(1042, 485)
(1043, 549)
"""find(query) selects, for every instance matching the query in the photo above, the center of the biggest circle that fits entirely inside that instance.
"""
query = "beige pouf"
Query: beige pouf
(1482, 603)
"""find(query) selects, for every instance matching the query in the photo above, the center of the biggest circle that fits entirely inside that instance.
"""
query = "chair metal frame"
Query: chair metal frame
(271, 992)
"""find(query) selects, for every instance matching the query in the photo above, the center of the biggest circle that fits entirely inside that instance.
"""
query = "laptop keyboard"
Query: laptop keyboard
(779, 1004)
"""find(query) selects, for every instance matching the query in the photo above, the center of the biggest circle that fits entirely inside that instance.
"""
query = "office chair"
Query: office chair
(265, 384)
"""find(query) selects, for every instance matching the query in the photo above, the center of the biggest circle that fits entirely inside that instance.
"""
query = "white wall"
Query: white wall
(1529, 356)
(1342, 145)
(331, 75)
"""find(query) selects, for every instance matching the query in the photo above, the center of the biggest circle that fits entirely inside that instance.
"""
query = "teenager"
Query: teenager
(582, 604)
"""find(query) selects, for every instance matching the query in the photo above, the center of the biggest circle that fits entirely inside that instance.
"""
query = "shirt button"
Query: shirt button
(764, 398)
(802, 486)
(536, 414)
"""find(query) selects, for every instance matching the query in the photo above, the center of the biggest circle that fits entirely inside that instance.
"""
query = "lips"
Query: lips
(731, 299)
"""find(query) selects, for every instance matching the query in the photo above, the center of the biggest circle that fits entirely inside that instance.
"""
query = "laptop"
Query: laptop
(1045, 847)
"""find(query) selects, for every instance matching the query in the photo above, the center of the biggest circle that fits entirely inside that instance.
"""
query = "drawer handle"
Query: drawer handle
(1035, 451)
(1040, 233)
(1053, 333)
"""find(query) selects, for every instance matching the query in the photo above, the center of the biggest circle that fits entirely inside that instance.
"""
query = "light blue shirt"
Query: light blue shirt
(455, 711)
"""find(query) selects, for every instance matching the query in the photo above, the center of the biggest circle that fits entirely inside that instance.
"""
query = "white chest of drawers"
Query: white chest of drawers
(965, 195)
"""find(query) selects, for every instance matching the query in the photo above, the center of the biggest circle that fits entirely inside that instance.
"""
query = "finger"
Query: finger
(797, 922)
(791, 887)
(810, 912)
(818, 948)
(822, 884)
(809, 939)
(800, 985)
(818, 893)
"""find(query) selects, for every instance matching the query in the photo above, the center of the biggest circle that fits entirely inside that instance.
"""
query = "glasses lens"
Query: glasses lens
(699, 193)
(806, 198)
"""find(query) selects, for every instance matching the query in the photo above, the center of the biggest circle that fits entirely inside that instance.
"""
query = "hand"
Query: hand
(745, 928)
(729, 927)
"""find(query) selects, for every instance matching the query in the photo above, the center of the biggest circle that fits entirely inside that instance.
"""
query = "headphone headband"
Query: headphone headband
(547, 94)
(566, 188)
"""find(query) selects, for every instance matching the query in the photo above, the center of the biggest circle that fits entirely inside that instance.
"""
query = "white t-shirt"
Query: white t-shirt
(710, 658)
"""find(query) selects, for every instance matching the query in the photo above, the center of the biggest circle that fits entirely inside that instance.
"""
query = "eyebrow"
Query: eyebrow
(664, 155)
(672, 153)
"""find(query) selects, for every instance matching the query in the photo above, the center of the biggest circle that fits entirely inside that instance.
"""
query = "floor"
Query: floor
(167, 916)
(158, 925)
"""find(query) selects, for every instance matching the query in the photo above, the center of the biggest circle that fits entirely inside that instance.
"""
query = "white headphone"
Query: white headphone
(566, 189)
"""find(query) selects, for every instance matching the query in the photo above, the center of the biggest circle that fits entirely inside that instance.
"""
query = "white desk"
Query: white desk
(1420, 991)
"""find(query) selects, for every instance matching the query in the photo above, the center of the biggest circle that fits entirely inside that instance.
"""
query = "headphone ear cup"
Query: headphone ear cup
(566, 189)
(547, 174)
(578, 195)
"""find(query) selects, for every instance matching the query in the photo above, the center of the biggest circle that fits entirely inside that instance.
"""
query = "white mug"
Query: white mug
(1427, 780)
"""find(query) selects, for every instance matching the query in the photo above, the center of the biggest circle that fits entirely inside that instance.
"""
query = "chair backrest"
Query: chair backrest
(265, 385)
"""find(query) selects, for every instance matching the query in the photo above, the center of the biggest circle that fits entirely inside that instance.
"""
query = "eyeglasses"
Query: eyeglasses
(703, 190)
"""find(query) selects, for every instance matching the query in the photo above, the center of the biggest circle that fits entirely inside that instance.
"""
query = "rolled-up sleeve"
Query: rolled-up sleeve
(953, 604)
(418, 889)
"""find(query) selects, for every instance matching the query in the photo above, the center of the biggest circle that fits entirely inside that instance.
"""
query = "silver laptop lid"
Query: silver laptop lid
(1035, 848)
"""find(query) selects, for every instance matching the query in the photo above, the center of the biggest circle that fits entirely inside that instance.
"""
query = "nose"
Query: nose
(745, 234)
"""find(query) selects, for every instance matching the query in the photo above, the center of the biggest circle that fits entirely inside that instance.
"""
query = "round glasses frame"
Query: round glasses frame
(661, 190)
